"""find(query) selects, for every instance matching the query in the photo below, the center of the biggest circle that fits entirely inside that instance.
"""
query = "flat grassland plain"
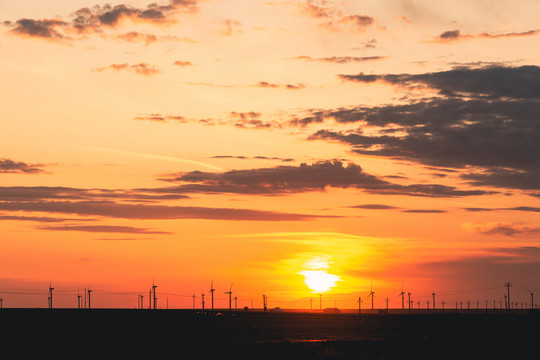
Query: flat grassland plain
(191, 334)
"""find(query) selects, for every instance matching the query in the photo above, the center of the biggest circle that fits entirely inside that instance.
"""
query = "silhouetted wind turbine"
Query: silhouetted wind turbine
(372, 294)
(402, 294)
(230, 293)
(202, 296)
(50, 295)
(532, 297)
(212, 292)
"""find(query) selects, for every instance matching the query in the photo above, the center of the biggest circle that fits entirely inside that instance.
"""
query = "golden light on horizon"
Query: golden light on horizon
(316, 277)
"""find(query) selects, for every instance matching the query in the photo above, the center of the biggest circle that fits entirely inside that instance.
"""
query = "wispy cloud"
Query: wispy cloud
(502, 228)
(140, 68)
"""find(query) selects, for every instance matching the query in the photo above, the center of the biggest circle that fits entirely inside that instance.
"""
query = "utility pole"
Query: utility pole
(508, 288)
(202, 296)
(427, 306)
(442, 305)
(433, 300)
(150, 299)
(409, 294)
(359, 305)
(235, 303)
(265, 302)
(193, 301)
(387, 304)
(78, 299)
(1, 303)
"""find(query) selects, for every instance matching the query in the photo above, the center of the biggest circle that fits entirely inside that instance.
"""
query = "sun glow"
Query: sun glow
(316, 276)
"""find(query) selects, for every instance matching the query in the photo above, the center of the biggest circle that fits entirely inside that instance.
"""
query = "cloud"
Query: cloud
(162, 118)
(140, 68)
(483, 122)
(265, 84)
(492, 81)
(38, 219)
(512, 34)
(112, 209)
(99, 18)
(26, 193)
(341, 59)
(8, 166)
(375, 207)
(45, 29)
(183, 63)
(103, 229)
(425, 211)
(516, 208)
(452, 35)
(506, 229)
(456, 35)
(318, 9)
(232, 27)
(295, 179)
(360, 22)
(241, 157)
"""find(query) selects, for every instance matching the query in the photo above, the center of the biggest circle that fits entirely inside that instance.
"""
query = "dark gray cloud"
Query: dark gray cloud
(8, 166)
(450, 34)
(375, 207)
(142, 211)
(98, 18)
(484, 123)
(295, 179)
(425, 211)
(493, 81)
(46, 28)
(103, 229)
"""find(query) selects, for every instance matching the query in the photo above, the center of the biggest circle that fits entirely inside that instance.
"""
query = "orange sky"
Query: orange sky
(394, 143)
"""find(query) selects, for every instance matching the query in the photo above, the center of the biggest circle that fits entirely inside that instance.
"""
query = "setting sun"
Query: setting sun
(316, 277)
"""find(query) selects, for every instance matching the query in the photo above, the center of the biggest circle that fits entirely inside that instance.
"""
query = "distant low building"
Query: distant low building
(332, 311)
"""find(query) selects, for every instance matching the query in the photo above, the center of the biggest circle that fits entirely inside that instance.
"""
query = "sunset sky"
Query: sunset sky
(384, 144)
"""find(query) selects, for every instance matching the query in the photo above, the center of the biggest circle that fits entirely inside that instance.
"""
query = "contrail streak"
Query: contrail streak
(157, 157)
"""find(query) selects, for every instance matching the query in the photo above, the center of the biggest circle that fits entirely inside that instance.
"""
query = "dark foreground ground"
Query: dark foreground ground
(185, 334)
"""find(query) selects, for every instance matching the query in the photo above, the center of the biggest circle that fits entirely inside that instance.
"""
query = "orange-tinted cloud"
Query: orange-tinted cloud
(182, 63)
(141, 68)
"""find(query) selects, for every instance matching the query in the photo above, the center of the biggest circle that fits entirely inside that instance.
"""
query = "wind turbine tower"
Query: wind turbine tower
(202, 296)
(212, 292)
(402, 294)
(372, 294)
(230, 293)
(155, 298)
(532, 298)
(50, 298)
(89, 292)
